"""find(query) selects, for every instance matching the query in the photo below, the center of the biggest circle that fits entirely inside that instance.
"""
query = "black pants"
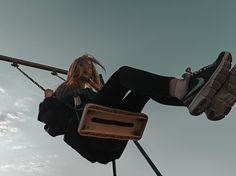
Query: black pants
(140, 85)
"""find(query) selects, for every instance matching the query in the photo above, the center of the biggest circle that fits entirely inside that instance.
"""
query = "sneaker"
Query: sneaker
(224, 98)
(204, 83)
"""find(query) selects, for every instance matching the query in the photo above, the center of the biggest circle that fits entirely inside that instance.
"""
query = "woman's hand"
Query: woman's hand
(48, 93)
(94, 85)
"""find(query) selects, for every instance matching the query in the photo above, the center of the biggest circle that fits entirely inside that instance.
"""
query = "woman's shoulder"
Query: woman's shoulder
(88, 90)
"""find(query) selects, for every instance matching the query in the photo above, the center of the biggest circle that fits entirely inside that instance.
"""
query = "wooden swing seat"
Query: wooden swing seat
(104, 122)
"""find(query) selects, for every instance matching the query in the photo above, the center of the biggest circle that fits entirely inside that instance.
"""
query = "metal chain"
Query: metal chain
(56, 74)
(31, 79)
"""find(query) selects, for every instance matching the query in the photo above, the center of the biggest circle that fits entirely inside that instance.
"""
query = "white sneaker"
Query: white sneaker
(224, 99)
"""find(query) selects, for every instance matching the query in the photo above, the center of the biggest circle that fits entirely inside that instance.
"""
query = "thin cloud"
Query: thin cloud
(29, 167)
(2, 91)
(7, 167)
(12, 116)
(5, 124)
(24, 104)
(19, 147)
(33, 165)
(6, 130)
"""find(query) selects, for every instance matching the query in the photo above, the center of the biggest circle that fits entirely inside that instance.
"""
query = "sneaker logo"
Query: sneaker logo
(201, 81)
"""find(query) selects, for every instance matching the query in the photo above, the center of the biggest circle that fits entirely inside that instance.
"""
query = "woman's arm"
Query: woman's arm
(94, 85)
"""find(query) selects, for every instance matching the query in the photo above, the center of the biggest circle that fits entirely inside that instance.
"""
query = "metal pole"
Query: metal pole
(32, 64)
(147, 158)
(114, 167)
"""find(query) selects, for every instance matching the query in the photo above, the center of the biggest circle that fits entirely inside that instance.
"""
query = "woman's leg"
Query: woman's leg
(196, 91)
(135, 102)
(171, 101)
(139, 82)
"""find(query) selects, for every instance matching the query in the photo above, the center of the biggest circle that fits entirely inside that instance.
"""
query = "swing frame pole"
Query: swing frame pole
(114, 168)
(32, 64)
(154, 168)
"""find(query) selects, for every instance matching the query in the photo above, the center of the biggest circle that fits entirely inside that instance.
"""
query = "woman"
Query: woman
(129, 89)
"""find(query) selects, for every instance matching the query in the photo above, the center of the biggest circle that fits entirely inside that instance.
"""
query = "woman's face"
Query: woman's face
(86, 67)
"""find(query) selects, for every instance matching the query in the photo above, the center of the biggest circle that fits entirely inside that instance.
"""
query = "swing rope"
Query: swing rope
(114, 167)
(145, 155)
(113, 162)
(31, 79)
(56, 74)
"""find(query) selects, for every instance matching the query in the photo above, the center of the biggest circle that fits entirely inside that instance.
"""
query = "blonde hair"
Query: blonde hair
(76, 78)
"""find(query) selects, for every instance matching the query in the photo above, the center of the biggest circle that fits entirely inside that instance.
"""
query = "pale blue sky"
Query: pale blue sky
(160, 36)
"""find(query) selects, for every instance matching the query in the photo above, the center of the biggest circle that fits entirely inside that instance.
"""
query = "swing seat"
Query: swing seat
(103, 122)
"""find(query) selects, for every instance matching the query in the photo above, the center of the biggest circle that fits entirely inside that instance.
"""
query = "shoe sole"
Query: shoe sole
(221, 106)
(203, 98)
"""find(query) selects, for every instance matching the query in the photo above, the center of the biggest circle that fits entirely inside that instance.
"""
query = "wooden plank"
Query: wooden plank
(103, 122)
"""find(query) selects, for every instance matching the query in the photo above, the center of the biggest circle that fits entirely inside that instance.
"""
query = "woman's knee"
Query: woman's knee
(124, 69)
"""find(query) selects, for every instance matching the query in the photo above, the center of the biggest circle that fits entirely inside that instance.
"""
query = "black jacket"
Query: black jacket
(59, 119)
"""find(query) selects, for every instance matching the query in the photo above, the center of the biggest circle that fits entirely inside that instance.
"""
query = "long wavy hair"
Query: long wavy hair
(81, 72)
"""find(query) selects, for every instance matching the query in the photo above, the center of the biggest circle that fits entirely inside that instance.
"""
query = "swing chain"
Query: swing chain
(16, 65)
(54, 73)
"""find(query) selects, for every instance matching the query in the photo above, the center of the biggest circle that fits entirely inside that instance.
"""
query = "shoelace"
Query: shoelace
(188, 72)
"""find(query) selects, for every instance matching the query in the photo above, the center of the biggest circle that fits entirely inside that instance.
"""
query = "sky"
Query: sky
(163, 37)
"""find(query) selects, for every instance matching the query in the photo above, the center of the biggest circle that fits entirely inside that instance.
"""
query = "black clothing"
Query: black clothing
(60, 119)
(55, 115)
(142, 86)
